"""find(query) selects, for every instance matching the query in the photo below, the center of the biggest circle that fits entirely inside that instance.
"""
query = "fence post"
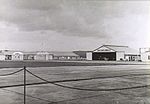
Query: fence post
(24, 84)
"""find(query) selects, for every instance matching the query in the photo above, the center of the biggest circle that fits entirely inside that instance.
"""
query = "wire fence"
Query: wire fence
(57, 83)
(86, 89)
(37, 98)
(7, 74)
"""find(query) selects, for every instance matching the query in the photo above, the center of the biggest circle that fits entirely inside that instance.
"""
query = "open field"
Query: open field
(52, 94)
(53, 63)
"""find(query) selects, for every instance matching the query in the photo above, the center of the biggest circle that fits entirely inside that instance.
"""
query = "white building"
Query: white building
(6, 55)
(29, 55)
(11, 55)
(17, 56)
(43, 56)
(2, 56)
(113, 53)
(89, 55)
(145, 56)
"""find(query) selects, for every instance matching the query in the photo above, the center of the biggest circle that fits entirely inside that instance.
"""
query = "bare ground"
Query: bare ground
(52, 94)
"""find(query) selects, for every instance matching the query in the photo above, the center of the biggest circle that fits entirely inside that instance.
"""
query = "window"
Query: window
(8, 57)
(148, 57)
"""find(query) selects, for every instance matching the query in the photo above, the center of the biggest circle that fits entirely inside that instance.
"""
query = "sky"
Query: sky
(67, 25)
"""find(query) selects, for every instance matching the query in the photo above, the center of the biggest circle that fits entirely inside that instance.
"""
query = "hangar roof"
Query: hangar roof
(56, 53)
(116, 48)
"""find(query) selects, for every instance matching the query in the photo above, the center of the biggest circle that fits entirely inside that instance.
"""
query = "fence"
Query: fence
(57, 83)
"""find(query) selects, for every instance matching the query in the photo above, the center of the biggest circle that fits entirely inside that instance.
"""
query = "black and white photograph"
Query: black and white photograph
(74, 51)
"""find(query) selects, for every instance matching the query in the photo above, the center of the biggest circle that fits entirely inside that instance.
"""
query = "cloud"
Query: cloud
(73, 24)
(73, 18)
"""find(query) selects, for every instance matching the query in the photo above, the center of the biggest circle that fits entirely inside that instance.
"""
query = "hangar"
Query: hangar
(113, 53)
(60, 55)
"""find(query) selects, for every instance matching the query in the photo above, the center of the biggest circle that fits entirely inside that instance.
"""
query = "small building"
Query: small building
(17, 56)
(29, 55)
(89, 55)
(145, 56)
(2, 56)
(11, 55)
(113, 53)
(43, 56)
(65, 56)
(6, 55)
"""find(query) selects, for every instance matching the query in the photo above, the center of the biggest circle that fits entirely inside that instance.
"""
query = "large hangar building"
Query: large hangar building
(113, 53)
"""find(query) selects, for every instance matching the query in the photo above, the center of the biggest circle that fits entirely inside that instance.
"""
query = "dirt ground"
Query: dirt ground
(55, 63)
(52, 94)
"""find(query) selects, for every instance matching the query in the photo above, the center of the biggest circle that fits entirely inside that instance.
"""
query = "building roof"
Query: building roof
(29, 53)
(145, 52)
(81, 53)
(56, 53)
(7, 52)
(43, 52)
(118, 48)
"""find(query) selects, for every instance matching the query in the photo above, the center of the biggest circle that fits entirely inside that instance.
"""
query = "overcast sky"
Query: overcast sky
(66, 25)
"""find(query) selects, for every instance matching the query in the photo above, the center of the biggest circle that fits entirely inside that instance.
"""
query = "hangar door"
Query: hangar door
(107, 56)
